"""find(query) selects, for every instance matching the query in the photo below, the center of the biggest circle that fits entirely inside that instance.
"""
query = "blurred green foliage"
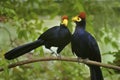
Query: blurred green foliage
(22, 21)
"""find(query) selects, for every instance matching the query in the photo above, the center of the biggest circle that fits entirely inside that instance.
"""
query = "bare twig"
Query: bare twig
(9, 34)
(62, 59)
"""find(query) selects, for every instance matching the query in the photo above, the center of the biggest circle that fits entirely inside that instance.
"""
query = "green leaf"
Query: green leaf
(115, 45)
(107, 40)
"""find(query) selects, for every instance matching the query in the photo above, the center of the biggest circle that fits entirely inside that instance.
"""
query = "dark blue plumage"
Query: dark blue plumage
(85, 46)
(57, 36)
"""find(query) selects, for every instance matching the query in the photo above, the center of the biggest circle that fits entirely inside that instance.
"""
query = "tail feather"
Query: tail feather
(20, 50)
(96, 73)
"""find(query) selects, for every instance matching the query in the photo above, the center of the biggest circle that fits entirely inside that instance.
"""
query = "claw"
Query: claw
(86, 59)
(79, 59)
(59, 56)
(56, 54)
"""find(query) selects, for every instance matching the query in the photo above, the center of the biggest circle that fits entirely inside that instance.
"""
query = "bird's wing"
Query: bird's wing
(94, 48)
(49, 33)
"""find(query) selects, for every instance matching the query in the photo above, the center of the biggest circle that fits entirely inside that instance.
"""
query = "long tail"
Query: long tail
(96, 73)
(20, 50)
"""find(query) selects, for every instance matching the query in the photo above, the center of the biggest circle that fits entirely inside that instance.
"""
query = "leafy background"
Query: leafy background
(22, 21)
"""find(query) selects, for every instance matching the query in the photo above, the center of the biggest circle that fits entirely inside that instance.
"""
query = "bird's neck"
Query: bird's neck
(81, 24)
(62, 25)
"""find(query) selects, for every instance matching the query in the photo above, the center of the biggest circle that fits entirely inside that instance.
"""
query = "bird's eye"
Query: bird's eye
(78, 19)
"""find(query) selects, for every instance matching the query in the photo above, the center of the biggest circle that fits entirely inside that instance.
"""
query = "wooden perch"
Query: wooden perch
(62, 59)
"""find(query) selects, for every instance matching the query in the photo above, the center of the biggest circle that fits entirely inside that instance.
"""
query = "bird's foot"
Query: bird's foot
(58, 56)
(52, 52)
(55, 54)
(85, 60)
(79, 59)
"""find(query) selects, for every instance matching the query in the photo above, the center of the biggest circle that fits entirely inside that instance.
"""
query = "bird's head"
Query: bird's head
(64, 20)
(80, 17)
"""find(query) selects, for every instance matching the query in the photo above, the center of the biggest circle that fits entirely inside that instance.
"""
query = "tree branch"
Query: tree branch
(9, 34)
(62, 59)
